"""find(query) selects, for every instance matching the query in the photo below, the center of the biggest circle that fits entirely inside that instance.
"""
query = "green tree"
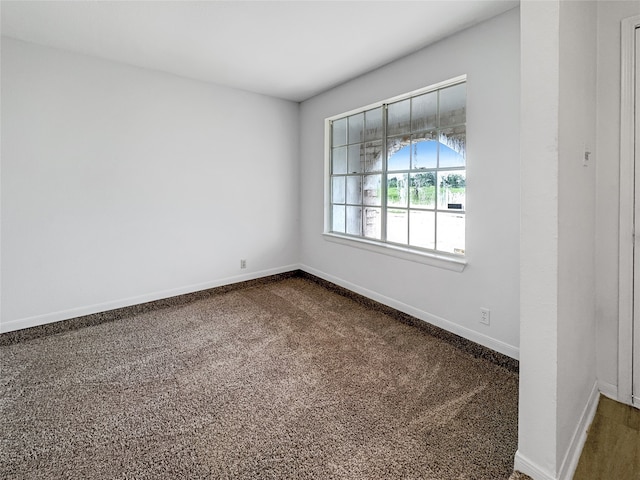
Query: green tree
(453, 180)
(423, 180)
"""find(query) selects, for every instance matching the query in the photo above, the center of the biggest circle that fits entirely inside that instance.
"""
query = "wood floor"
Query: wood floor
(612, 449)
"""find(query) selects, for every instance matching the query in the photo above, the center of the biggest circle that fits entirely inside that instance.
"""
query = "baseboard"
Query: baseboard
(526, 466)
(39, 320)
(608, 390)
(444, 324)
(571, 458)
(472, 335)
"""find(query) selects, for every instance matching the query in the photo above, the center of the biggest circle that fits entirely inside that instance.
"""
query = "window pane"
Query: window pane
(424, 150)
(398, 117)
(398, 153)
(337, 219)
(337, 189)
(453, 105)
(355, 158)
(422, 229)
(422, 190)
(339, 160)
(453, 145)
(373, 124)
(339, 132)
(354, 220)
(372, 222)
(452, 190)
(450, 236)
(372, 190)
(397, 225)
(373, 157)
(354, 189)
(356, 128)
(397, 171)
(397, 189)
(424, 110)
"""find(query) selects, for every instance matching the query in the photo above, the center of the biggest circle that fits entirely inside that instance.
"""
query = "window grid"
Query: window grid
(358, 135)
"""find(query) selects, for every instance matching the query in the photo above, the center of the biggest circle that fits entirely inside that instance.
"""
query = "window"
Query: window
(398, 171)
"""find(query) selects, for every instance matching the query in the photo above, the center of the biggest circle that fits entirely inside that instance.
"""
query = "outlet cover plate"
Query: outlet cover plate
(485, 316)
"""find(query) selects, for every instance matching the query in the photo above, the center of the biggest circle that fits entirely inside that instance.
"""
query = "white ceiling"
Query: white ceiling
(287, 49)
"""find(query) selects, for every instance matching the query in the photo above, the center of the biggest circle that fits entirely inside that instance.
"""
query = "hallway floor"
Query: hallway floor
(612, 449)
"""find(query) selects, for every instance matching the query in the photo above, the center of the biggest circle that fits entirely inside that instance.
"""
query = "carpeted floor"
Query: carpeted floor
(519, 476)
(281, 380)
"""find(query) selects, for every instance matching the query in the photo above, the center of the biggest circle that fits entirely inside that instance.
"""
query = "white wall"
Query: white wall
(577, 388)
(558, 391)
(537, 420)
(608, 188)
(121, 185)
(489, 55)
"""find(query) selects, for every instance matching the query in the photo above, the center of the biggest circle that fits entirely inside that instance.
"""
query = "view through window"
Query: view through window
(398, 171)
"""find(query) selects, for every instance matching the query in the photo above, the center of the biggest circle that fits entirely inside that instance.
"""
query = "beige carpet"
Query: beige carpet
(519, 476)
(281, 380)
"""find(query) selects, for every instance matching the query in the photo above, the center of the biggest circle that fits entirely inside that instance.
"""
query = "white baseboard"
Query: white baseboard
(497, 345)
(571, 458)
(526, 466)
(608, 390)
(38, 320)
(445, 324)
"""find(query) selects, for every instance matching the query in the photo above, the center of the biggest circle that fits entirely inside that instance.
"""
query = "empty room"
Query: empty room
(319, 239)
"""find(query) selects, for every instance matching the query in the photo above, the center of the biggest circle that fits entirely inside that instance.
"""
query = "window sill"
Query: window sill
(455, 264)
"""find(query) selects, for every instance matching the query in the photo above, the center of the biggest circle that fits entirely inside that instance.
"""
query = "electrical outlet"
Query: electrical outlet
(485, 316)
(243, 263)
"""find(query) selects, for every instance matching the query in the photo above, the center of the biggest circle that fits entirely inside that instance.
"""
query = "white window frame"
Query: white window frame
(439, 259)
